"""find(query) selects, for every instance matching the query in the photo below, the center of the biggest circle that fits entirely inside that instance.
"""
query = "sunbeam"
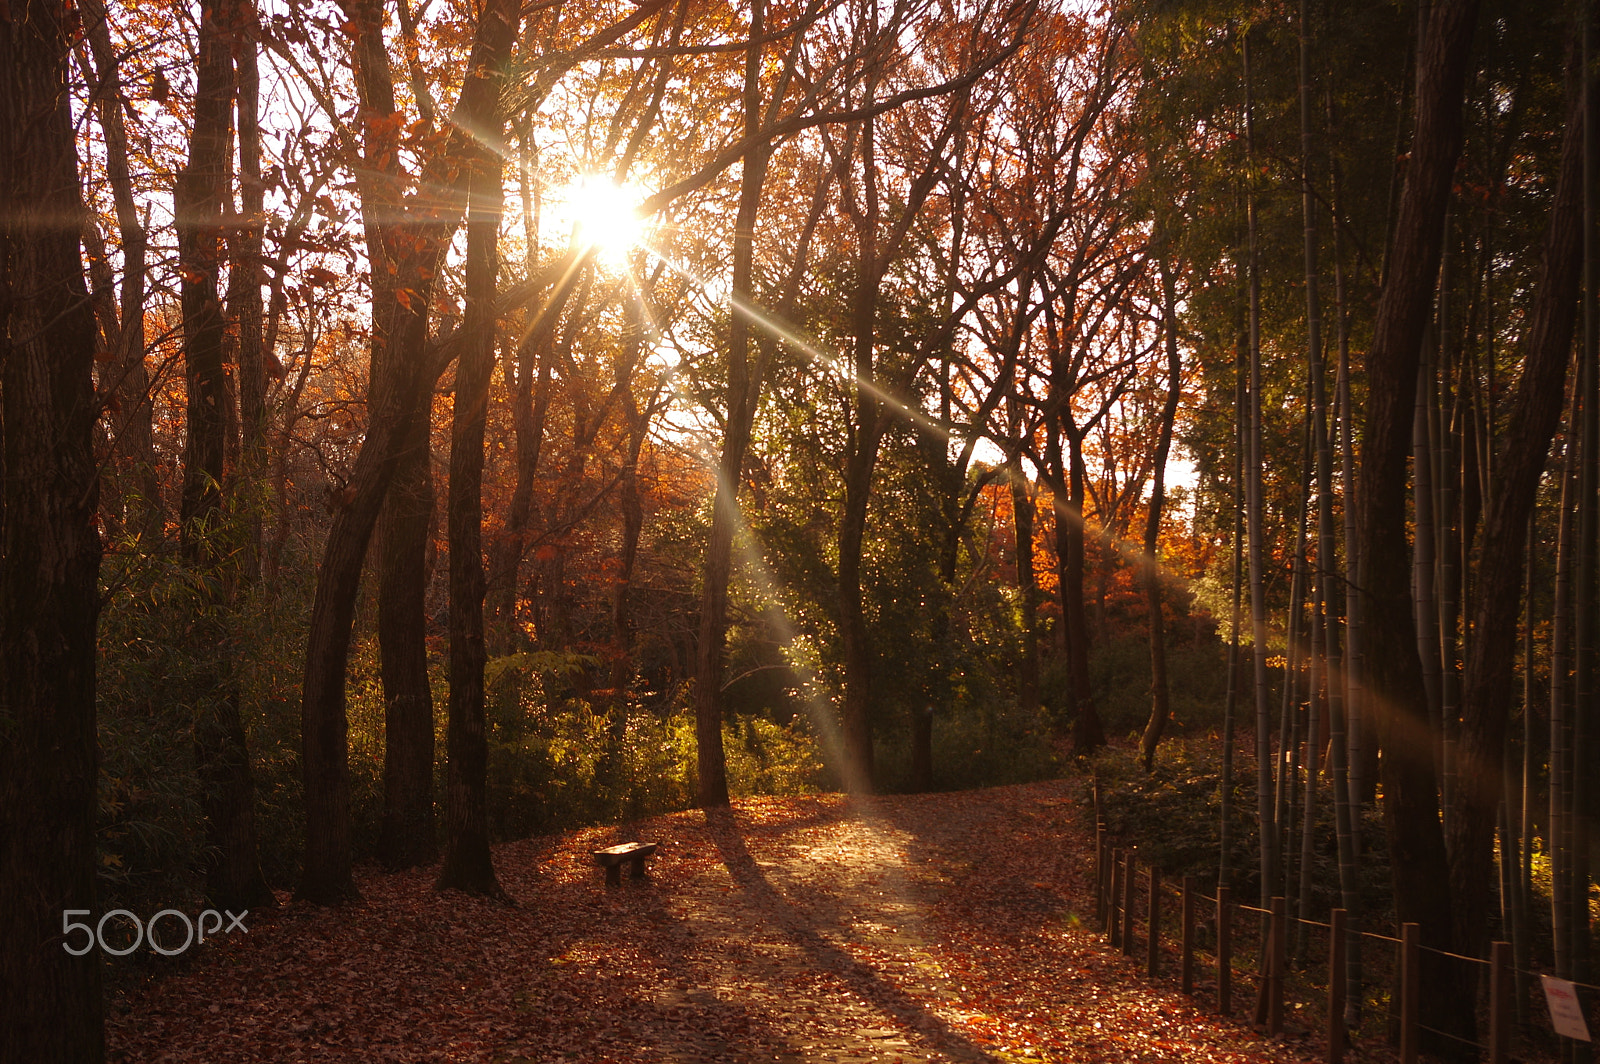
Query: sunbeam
(811, 349)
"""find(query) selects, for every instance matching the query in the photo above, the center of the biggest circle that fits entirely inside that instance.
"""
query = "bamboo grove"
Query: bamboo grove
(859, 378)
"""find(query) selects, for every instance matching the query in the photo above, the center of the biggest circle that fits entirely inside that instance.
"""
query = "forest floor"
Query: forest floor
(941, 927)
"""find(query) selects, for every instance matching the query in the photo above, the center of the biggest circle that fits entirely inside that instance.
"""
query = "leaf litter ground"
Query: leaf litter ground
(946, 927)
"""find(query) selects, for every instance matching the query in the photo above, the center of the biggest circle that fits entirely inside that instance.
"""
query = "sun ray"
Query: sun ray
(806, 346)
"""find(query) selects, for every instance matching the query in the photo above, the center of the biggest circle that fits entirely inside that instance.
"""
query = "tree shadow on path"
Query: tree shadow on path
(728, 836)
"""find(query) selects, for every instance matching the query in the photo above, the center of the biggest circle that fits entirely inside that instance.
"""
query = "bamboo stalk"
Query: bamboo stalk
(1224, 951)
(1187, 969)
(1500, 988)
(1128, 888)
(1153, 939)
(1410, 955)
(1336, 987)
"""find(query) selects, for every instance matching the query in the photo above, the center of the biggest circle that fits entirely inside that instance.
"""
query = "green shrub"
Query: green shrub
(558, 761)
(988, 744)
(149, 684)
(768, 758)
(1119, 671)
(159, 666)
(1174, 815)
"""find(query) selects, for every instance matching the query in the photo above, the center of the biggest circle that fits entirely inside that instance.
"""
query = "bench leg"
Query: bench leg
(614, 875)
(638, 867)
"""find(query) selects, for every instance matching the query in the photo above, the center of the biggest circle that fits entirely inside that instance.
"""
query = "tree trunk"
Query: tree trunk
(1313, 751)
(530, 403)
(529, 413)
(1324, 629)
(1088, 734)
(1287, 762)
(858, 653)
(860, 458)
(1558, 833)
(1355, 727)
(1522, 874)
(244, 294)
(1424, 561)
(1587, 629)
(1534, 412)
(1393, 670)
(1447, 476)
(1230, 704)
(407, 837)
(132, 413)
(1023, 509)
(396, 398)
(50, 1000)
(1330, 581)
(1266, 812)
(608, 775)
(1160, 708)
(197, 205)
(468, 864)
(743, 396)
(631, 502)
(401, 382)
(233, 871)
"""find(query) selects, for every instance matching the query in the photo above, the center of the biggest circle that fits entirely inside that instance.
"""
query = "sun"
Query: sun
(606, 215)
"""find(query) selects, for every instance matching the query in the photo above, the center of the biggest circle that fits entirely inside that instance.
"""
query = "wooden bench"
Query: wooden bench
(611, 859)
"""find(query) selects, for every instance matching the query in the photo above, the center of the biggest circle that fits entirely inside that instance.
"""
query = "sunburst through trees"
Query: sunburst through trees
(698, 399)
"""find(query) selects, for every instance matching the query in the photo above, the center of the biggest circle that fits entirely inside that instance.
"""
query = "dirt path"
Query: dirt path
(926, 928)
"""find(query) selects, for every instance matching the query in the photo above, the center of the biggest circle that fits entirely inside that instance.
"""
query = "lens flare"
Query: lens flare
(606, 215)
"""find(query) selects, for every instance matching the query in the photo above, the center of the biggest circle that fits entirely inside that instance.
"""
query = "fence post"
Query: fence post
(1409, 957)
(1113, 917)
(1224, 951)
(1336, 986)
(1153, 943)
(1275, 965)
(1129, 869)
(1188, 935)
(1100, 874)
(1500, 992)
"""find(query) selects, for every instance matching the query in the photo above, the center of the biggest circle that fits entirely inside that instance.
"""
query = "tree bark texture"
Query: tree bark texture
(1393, 672)
(410, 237)
(131, 423)
(468, 864)
(233, 872)
(1534, 413)
(529, 406)
(50, 1001)
(859, 657)
(1088, 733)
(197, 205)
(1266, 814)
(245, 307)
(1160, 707)
(743, 394)
(408, 837)
(1023, 510)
